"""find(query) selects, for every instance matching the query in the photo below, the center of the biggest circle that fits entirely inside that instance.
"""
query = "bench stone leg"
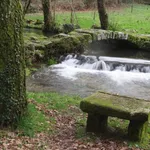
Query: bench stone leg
(96, 123)
(137, 130)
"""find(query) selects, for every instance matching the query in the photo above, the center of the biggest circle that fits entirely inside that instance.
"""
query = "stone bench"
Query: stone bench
(101, 105)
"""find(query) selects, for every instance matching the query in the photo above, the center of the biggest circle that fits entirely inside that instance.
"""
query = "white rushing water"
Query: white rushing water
(118, 69)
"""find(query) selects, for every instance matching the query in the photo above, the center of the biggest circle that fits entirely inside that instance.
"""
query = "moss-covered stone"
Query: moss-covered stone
(100, 105)
(92, 32)
(142, 41)
(137, 130)
(116, 106)
(96, 123)
(83, 37)
(57, 45)
(62, 46)
(77, 40)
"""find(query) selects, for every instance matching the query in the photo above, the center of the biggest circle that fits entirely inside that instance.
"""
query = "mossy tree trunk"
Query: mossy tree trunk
(48, 19)
(12, 62)
(102, 14)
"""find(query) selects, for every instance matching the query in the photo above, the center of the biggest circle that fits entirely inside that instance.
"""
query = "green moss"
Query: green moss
(61, 46)
(12, 77)
(140, 40)
(52, 61)
(83, 37)
(116, 106)
(92, 32)
(1, 65)
(137, 130)
(101, 105)
(28, 72)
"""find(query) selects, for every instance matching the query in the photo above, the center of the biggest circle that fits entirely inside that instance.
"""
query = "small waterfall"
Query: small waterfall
(107, 63)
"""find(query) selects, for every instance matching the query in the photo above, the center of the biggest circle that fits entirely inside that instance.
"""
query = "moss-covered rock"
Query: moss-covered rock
(56, 45)
(63, 44)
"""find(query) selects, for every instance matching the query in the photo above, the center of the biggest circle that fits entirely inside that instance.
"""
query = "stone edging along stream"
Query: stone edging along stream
(76, 41)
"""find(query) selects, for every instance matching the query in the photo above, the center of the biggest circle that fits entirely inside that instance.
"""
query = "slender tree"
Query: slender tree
(12, 62)
(26, 6)
(48, 19)
(102, 14)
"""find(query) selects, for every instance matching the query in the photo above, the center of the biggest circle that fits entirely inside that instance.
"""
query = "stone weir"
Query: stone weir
(75, 42)
(141, 40)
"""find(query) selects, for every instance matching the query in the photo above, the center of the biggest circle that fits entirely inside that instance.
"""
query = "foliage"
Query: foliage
(32, 122)
(114, 26)
(52, 61)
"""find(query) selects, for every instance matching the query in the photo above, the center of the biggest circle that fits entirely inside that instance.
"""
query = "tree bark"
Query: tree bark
(102, 14)
(12, 62)
(48, 19)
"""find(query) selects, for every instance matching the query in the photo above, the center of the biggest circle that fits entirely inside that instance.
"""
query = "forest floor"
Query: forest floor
(55, 122)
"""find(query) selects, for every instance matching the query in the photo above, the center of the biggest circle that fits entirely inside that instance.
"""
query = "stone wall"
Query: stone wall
(141, 40)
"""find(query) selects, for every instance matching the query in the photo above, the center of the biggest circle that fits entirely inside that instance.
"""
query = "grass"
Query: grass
(136, 21)
(121, 20)
(52, 61)
(33, 122)
(37, 121)
(55, 101)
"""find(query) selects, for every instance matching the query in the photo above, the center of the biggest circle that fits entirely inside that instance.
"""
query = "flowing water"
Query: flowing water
(84, 74)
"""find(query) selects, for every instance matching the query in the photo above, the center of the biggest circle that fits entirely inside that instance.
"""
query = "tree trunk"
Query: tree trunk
(102, 14)
(26, 6)
(12, 62)
(48, 19)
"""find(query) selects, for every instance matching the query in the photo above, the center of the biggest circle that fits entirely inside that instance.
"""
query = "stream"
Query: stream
(85, 74)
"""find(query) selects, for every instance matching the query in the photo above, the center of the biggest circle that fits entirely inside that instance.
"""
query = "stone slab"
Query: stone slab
(116, 106)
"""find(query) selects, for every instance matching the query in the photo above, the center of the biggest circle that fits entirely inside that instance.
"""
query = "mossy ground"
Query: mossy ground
(55, 121)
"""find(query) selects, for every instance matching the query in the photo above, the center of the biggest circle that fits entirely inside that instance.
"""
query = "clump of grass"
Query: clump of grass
(52, 61)
(32, 122)
(113, 26)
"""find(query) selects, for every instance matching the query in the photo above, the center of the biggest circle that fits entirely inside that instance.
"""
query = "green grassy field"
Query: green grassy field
(123, 19)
